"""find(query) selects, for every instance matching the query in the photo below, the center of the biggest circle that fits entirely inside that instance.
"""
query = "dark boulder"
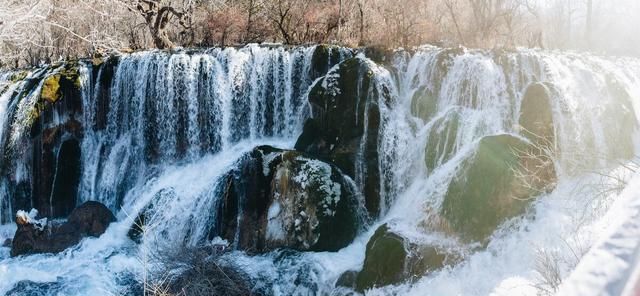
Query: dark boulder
(91, 218)
(33, 236)
(494, 184)
(391, 258)
(348, 279)
(287, 200)
(346, 119)
(325, 57)
(46, 136)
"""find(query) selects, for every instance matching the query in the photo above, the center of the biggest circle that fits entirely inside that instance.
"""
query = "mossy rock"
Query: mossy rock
(536, 114)
(424, 104)
(287, 200)
(441, 144)
(340, 102)
(51, 89)
(392, 259)
(312, 204)
(64, 82)
(18, 76)
(490, 187)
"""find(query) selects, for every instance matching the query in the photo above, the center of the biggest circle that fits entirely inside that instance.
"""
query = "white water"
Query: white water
(160, 101)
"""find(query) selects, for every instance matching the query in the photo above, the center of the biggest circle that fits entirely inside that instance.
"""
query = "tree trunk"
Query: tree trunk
(339, 20)
(589, 22)
(162, 41)
(361, 9)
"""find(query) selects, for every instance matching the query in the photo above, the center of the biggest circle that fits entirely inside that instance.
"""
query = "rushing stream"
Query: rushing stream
(165, 129)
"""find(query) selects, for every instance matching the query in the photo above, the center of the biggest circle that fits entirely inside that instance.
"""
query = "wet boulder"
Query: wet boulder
(45, 133)
(494, 184)
(288, 200)
(346, 118)
(536, 114)
(441, 142)
(326, 56)
(38, 236)
(91, 218)
(391, 258)
(424, 104)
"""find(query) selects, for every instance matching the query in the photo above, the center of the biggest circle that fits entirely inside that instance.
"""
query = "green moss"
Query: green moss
(424, 104)
(392, 259)
(487, 192)
(442, 139)
(536, 116)
(384, 260)
(71, 74)
(51, 89)
(18, 76)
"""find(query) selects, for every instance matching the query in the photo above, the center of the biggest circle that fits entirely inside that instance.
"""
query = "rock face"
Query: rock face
(441, 144)
(89, 219)
(286, 199)
(325, 57)
(47, 140)
(424, 104)
(536, 115)
(345, 123)
(391, 259)
(496, 183)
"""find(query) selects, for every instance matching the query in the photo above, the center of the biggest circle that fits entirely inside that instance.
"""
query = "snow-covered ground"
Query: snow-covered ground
(611, 266)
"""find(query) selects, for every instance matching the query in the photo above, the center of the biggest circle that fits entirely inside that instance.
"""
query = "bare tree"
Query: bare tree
(158, 15)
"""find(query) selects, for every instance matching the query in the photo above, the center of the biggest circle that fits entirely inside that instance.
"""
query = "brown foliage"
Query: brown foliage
(36, 31)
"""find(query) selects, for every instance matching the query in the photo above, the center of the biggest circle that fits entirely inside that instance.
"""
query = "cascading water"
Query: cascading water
(165, 129)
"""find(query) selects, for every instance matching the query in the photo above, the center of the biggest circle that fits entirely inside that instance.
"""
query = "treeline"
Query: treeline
(37, 31)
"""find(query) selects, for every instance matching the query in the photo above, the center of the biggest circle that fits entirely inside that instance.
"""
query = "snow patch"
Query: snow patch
(315, 172)
(275, 228)
(30, 218)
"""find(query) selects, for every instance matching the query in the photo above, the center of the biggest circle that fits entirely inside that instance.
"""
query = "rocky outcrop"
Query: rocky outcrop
(494, 184)
(391, 258)
(536, 115)
(37, 236)
(46, 130)
(345, 123)
(424, 104)
(325, 57)
(286, 199)
(441, 144)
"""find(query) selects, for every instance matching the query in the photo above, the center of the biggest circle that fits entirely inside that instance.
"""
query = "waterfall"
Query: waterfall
(161, 130)
(169, 108)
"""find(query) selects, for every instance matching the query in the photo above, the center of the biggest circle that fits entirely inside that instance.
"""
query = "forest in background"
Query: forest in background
(42, 31)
